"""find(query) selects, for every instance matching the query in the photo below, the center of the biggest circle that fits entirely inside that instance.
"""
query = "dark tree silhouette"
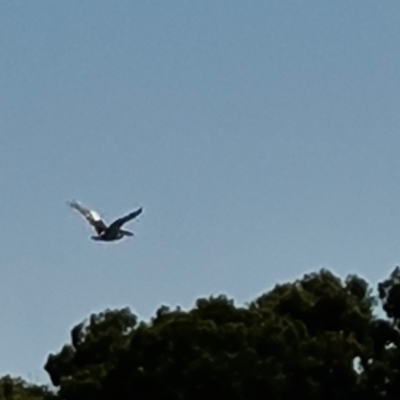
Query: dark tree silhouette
(18, 389)
(318, 338)
(315, 338)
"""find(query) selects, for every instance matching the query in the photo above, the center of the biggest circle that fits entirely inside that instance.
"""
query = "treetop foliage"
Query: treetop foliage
(319, 337)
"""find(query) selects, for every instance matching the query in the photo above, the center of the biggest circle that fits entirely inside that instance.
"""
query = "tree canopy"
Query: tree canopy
(319, 337)
(15, 388)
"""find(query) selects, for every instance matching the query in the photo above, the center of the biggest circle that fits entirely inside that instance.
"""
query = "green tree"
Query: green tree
(81, 367)
(18, 389)
(299, 340)
(382, 366)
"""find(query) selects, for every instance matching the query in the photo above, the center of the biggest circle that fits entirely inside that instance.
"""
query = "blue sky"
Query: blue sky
(261, 138)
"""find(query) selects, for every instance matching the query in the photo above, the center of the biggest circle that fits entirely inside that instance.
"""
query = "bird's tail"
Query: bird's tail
(127, 233)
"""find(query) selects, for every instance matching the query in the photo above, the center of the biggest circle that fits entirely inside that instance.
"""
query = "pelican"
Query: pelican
(105, 233)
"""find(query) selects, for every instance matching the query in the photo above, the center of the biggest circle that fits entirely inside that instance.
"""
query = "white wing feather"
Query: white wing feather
(91, 216)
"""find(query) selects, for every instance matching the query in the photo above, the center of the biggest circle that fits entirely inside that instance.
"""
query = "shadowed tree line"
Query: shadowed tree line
(319, 337)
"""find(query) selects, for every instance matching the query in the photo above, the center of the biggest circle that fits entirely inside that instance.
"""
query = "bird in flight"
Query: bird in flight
(105, 233)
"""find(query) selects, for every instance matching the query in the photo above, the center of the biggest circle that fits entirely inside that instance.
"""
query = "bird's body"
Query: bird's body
(106, 233)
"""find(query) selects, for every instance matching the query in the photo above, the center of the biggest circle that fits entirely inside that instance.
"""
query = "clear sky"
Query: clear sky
(262, 139)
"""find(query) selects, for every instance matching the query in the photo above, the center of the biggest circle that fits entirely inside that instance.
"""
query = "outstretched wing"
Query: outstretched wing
(91, 216)
(120, 221)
